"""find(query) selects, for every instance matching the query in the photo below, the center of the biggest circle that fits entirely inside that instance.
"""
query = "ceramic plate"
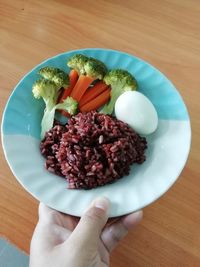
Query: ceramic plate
(167, 152)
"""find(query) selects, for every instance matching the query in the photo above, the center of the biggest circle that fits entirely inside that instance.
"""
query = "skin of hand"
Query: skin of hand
(62, 240)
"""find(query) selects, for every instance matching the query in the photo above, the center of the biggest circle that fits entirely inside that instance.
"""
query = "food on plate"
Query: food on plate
(89, 70)
(137, 111)
(120, 82)
(49, 147)
(56, 75)
(97, 101)
(92, 92)
(86, 85)
(66, 91)
(48, 88)
(92, 149)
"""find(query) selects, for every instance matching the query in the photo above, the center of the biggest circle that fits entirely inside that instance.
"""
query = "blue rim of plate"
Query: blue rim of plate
(179, 113)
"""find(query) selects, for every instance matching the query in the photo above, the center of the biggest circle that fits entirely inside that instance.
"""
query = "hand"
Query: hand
(64, 241)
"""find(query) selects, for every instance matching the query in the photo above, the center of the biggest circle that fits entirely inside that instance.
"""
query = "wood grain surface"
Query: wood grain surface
(166, 34)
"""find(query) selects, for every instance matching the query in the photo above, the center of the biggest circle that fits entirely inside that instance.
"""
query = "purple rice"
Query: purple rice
(92, 150)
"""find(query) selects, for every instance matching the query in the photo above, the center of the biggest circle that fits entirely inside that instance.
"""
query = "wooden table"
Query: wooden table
(165, 33)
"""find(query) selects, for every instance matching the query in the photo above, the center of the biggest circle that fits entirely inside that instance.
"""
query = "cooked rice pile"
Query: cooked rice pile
(92, 149)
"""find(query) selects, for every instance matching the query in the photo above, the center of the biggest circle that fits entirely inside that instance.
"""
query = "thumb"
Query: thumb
(90, 226)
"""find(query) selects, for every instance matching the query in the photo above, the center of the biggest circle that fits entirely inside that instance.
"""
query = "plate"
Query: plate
(167, 152)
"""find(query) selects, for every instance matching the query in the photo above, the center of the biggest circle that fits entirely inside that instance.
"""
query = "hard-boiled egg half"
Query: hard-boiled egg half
(137, 111)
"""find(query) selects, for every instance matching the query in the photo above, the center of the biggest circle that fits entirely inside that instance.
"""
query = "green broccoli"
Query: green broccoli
(77, 62)
(120, 81)
(95, 69)
(48, 90)
(56, 75)
(89, 69)
(69, 104)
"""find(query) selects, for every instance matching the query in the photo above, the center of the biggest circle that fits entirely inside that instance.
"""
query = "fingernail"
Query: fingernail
(102, 203)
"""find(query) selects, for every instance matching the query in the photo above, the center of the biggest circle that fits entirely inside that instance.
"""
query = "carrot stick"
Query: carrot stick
(73, 77)
(80, 87)
(93, 92)
(97, 102)
(65, 113)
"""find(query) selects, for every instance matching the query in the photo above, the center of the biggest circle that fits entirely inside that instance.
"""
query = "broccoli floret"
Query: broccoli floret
(39, 89)
(95, 68)
(89, 69)
(46, 89)
(56, 75)
(49, 91)
(88, 66)
(119, 81)
(69, 104)
(77, 62)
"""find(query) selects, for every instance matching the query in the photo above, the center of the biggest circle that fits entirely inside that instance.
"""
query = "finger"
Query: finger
(45, 213)
(50, 216)
(115, 232)
(112, 220)
(103, 253)
(91, 224)
(50, 231)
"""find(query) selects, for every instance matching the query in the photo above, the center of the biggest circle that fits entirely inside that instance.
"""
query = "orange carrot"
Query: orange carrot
(81, 86)
(65, 113)
(93, 92)
(73, 77)
(97, 102)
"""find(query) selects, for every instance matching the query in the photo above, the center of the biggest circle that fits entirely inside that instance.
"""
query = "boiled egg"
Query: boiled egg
(137, 111)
